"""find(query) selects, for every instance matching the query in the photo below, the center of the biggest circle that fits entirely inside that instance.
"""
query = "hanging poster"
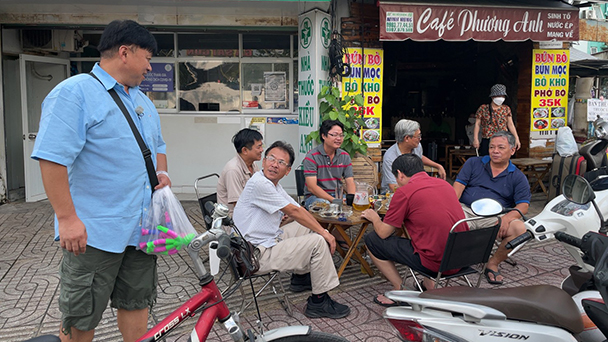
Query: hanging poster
(160, 79)
(549, 107)
(274, 87)
(366, 78)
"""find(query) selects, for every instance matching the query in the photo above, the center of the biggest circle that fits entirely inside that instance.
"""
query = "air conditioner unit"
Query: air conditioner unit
(49, 40)
(588, 13)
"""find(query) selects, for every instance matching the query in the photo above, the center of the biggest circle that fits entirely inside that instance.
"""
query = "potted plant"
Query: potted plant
(346, 110)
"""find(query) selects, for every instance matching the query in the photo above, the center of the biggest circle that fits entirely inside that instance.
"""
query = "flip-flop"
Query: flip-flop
(495, 274)
(386, 305)
(343, 245)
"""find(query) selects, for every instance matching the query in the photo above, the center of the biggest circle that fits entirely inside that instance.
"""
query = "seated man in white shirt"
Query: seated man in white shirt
(302, 246)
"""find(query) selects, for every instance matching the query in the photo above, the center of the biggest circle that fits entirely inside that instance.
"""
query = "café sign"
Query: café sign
(457, 23)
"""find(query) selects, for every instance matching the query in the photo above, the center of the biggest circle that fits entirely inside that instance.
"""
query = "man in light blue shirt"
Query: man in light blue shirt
(95, 177)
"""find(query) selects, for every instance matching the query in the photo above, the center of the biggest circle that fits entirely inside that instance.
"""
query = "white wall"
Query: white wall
(198, 145)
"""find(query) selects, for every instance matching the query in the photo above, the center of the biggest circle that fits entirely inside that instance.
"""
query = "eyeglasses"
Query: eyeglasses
(272, 159)
(419, 136)
(335, 135)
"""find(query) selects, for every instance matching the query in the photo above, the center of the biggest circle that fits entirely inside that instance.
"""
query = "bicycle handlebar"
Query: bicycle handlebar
(223, 246)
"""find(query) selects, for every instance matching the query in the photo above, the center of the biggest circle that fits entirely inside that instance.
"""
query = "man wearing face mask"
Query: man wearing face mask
(493, 117)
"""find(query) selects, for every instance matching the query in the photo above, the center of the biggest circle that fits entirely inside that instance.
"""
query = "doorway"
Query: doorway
(28, 80)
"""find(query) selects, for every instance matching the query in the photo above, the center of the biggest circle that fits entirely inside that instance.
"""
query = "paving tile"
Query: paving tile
(29, 284)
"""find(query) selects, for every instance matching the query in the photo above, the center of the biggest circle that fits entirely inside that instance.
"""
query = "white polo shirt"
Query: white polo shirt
(257, 213)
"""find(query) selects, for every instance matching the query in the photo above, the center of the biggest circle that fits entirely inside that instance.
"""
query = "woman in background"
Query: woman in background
(492, 118)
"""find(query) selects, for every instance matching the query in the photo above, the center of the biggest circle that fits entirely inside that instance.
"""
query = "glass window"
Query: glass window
(208, 45)
(165, 43)
(266, 85)
(162, 100)
(266, 45)
(209, 86)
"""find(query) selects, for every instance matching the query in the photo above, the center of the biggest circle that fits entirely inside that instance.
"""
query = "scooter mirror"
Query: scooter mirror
(576, 189)
(486, 207)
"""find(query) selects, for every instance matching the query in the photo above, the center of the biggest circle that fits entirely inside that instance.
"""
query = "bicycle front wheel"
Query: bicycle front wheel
(314, 336)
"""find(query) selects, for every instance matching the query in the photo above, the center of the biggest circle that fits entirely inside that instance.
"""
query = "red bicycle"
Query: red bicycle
(211, 305)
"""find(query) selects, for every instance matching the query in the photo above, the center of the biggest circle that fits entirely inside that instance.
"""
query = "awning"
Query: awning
(515, 20)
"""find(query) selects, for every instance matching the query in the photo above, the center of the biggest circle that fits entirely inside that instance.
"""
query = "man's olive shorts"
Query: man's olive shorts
(89, 280)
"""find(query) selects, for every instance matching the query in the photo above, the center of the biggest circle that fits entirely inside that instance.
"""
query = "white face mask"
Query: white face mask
(498, 100)
(472, 120)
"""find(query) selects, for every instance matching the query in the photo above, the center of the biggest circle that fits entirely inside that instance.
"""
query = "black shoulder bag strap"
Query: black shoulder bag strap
(144, 149)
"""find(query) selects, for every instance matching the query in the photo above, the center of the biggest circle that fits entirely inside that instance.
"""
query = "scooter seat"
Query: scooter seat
(544, 304)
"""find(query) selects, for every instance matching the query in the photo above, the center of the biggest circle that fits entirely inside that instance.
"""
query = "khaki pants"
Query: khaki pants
(301, 251)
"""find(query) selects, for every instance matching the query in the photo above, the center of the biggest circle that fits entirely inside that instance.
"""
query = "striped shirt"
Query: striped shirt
(328, 173)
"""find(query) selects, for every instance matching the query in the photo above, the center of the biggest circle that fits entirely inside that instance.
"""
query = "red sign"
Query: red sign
(455, 23)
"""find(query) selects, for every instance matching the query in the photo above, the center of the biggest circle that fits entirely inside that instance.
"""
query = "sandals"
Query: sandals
(386, 305)
(343, 245)
(495, 274)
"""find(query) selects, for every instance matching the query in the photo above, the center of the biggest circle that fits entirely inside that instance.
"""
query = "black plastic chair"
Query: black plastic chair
(300, 183)
(204, 199)
(463, 250)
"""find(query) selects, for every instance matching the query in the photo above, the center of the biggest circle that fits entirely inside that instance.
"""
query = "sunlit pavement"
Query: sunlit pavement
(29, 284)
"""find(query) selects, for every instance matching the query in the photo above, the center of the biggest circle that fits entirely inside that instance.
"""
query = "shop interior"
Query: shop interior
(439, 84)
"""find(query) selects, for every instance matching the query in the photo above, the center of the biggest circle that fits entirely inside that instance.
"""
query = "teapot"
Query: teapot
(362, 193)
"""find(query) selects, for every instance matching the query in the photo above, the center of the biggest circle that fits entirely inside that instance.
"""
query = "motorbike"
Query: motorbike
(563, 215)
(530, 313)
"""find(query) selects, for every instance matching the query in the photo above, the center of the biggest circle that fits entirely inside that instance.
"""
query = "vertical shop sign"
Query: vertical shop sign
(314, 35)
(366, 78)
(549, 109)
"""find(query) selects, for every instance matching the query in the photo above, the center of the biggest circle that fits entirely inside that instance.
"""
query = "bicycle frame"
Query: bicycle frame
(209, 294)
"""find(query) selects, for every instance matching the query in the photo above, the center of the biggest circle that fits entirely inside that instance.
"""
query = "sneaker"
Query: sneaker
(300, 282)
(328, 308)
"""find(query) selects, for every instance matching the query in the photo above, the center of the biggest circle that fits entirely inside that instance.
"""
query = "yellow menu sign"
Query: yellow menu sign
(549, 107)
(366, 77)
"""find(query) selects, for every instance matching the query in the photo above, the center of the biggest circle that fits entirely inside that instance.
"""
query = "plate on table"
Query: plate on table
(319, 207)
(329, 214)
(540, 113)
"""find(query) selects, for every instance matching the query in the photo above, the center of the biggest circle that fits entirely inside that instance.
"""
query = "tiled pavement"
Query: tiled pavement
(29, 284)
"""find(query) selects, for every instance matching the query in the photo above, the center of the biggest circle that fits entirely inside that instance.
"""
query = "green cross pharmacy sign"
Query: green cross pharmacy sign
(305, 33)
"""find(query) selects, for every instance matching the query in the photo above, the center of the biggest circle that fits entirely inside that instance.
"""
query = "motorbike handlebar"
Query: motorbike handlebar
(519, 240)
(568, 239)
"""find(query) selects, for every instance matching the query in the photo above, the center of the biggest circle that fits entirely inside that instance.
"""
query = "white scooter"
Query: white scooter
(530, 313)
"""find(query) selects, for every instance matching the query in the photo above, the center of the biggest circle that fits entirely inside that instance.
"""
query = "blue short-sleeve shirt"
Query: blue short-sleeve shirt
(82, 128)
(510, 187)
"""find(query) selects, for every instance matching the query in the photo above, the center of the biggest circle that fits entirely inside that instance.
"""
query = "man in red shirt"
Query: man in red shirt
(426, 208)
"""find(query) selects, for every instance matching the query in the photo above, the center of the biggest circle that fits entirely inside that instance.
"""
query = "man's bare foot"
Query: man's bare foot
(428, 283)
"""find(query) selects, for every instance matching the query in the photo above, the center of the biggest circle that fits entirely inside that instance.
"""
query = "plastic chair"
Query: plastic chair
(300, 183)
(204, 199)
(462, 250)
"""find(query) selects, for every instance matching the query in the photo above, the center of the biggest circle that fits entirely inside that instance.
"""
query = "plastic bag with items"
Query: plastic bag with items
(565, 143)
(166, 228)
